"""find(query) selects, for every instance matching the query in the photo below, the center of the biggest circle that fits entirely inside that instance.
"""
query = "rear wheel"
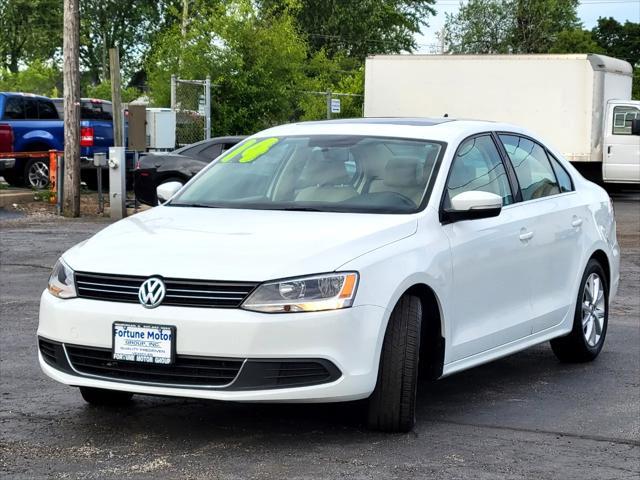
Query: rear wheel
(100, 396)
(590, 321)
(392, 403)
(36, 173)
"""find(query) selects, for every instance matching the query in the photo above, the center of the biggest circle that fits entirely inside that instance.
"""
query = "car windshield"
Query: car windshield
(319, 173)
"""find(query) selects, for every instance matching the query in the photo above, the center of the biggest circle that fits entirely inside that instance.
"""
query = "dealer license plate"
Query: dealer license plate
(144, 343)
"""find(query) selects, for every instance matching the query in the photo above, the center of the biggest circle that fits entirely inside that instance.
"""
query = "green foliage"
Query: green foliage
(354, 27)
(481, 26)
(127, 24)
(38, 78)
(619, 40)
(257, 65)
(30, 30)
(539, 22)
(103, 91)
(575, 41)
(510, 26)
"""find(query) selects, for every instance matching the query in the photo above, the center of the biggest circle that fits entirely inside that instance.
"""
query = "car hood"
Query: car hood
(232, 244)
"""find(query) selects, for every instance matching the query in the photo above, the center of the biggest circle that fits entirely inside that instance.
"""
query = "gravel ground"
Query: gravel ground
(523, 417)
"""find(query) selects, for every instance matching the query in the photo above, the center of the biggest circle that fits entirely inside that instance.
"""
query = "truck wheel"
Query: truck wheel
(392, 403)
(36, 173)
(590, 320)
(99, 396)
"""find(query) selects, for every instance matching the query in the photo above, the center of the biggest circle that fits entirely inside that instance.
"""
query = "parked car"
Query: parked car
(178, 166)
(36, 126)
(96, 134)
(332, 261)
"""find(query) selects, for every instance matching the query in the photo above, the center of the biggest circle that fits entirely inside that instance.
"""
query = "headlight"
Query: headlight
(305, 294)
(62, 282)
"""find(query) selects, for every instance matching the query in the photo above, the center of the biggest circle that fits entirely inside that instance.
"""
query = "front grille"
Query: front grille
(191, 371)
(180, 292)
(187, 370)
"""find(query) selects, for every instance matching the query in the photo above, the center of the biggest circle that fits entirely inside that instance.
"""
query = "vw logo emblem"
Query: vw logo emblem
(151, 292)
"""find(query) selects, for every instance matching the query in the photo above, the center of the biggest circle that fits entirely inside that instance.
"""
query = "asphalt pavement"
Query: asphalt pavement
(523, 417)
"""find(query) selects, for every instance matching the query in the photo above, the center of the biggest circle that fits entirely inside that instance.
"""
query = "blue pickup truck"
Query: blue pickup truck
(34, 124)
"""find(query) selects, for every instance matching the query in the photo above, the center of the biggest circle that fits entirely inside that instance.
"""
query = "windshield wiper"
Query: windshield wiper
(194, 205)
(300, 209)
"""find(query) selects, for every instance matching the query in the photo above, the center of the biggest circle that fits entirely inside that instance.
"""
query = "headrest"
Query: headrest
(326, 171)
(404, 172)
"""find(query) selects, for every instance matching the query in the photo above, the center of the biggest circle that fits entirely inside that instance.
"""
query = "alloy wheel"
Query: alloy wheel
(593, 309)
(38, 175)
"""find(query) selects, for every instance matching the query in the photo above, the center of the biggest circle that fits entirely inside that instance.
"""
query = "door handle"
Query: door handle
(576, 222)
(526, 236)
(608, 149)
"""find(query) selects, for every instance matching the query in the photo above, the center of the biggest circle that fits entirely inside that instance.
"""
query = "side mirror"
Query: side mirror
(167, 190)
(635, 126)
(472, 205)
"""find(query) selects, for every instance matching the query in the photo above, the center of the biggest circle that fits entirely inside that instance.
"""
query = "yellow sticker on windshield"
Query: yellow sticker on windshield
(260, 148)
(237, 151)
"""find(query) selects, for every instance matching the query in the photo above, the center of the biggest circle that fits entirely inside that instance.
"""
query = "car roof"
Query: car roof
(22, 94)
(443, 129)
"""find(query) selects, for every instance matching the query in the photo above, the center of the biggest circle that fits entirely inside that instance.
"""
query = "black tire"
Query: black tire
(575, 347)
(13, 178)
(40, 164)
(392, 404)
(102, 397)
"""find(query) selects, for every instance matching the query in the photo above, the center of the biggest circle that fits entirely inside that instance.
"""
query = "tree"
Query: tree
(510, 26)
(354, 27)
(256, 63)
(37, 77)
(31, 30)
(481, 26)
(575, 41)
(538, 23)
(127, 24)
(618, 40)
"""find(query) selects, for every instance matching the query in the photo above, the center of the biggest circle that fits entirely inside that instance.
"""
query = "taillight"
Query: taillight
(6, 138)
(86, 137)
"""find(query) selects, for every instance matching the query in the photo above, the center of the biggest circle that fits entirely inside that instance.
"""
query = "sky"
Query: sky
(588, 11)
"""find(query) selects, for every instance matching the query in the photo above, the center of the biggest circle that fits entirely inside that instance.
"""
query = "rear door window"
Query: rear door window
(531, 164)
(210, 151)
(14, 108)
(30, 108)
(46, 110)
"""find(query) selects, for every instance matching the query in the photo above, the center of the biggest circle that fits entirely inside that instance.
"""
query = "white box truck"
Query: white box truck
(581, 104)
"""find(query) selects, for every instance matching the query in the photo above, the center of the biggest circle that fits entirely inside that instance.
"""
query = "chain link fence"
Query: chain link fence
(191, 100)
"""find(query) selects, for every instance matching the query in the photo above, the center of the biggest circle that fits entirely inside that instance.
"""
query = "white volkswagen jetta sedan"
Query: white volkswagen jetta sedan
(338, 260)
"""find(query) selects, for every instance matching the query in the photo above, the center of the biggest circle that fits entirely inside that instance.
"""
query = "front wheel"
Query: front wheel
(590, 321)
(103, 397)
(392, 403)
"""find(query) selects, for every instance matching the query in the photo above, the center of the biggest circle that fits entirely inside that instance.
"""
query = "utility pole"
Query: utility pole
(116, 96)
(71, 94)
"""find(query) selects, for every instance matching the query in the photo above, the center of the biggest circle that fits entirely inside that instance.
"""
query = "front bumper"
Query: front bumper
(349, 339)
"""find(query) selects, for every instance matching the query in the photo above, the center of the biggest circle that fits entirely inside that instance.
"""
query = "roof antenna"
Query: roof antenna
(446, 115)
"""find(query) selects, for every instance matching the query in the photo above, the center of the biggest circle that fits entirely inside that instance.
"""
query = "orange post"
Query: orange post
(53, 176)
